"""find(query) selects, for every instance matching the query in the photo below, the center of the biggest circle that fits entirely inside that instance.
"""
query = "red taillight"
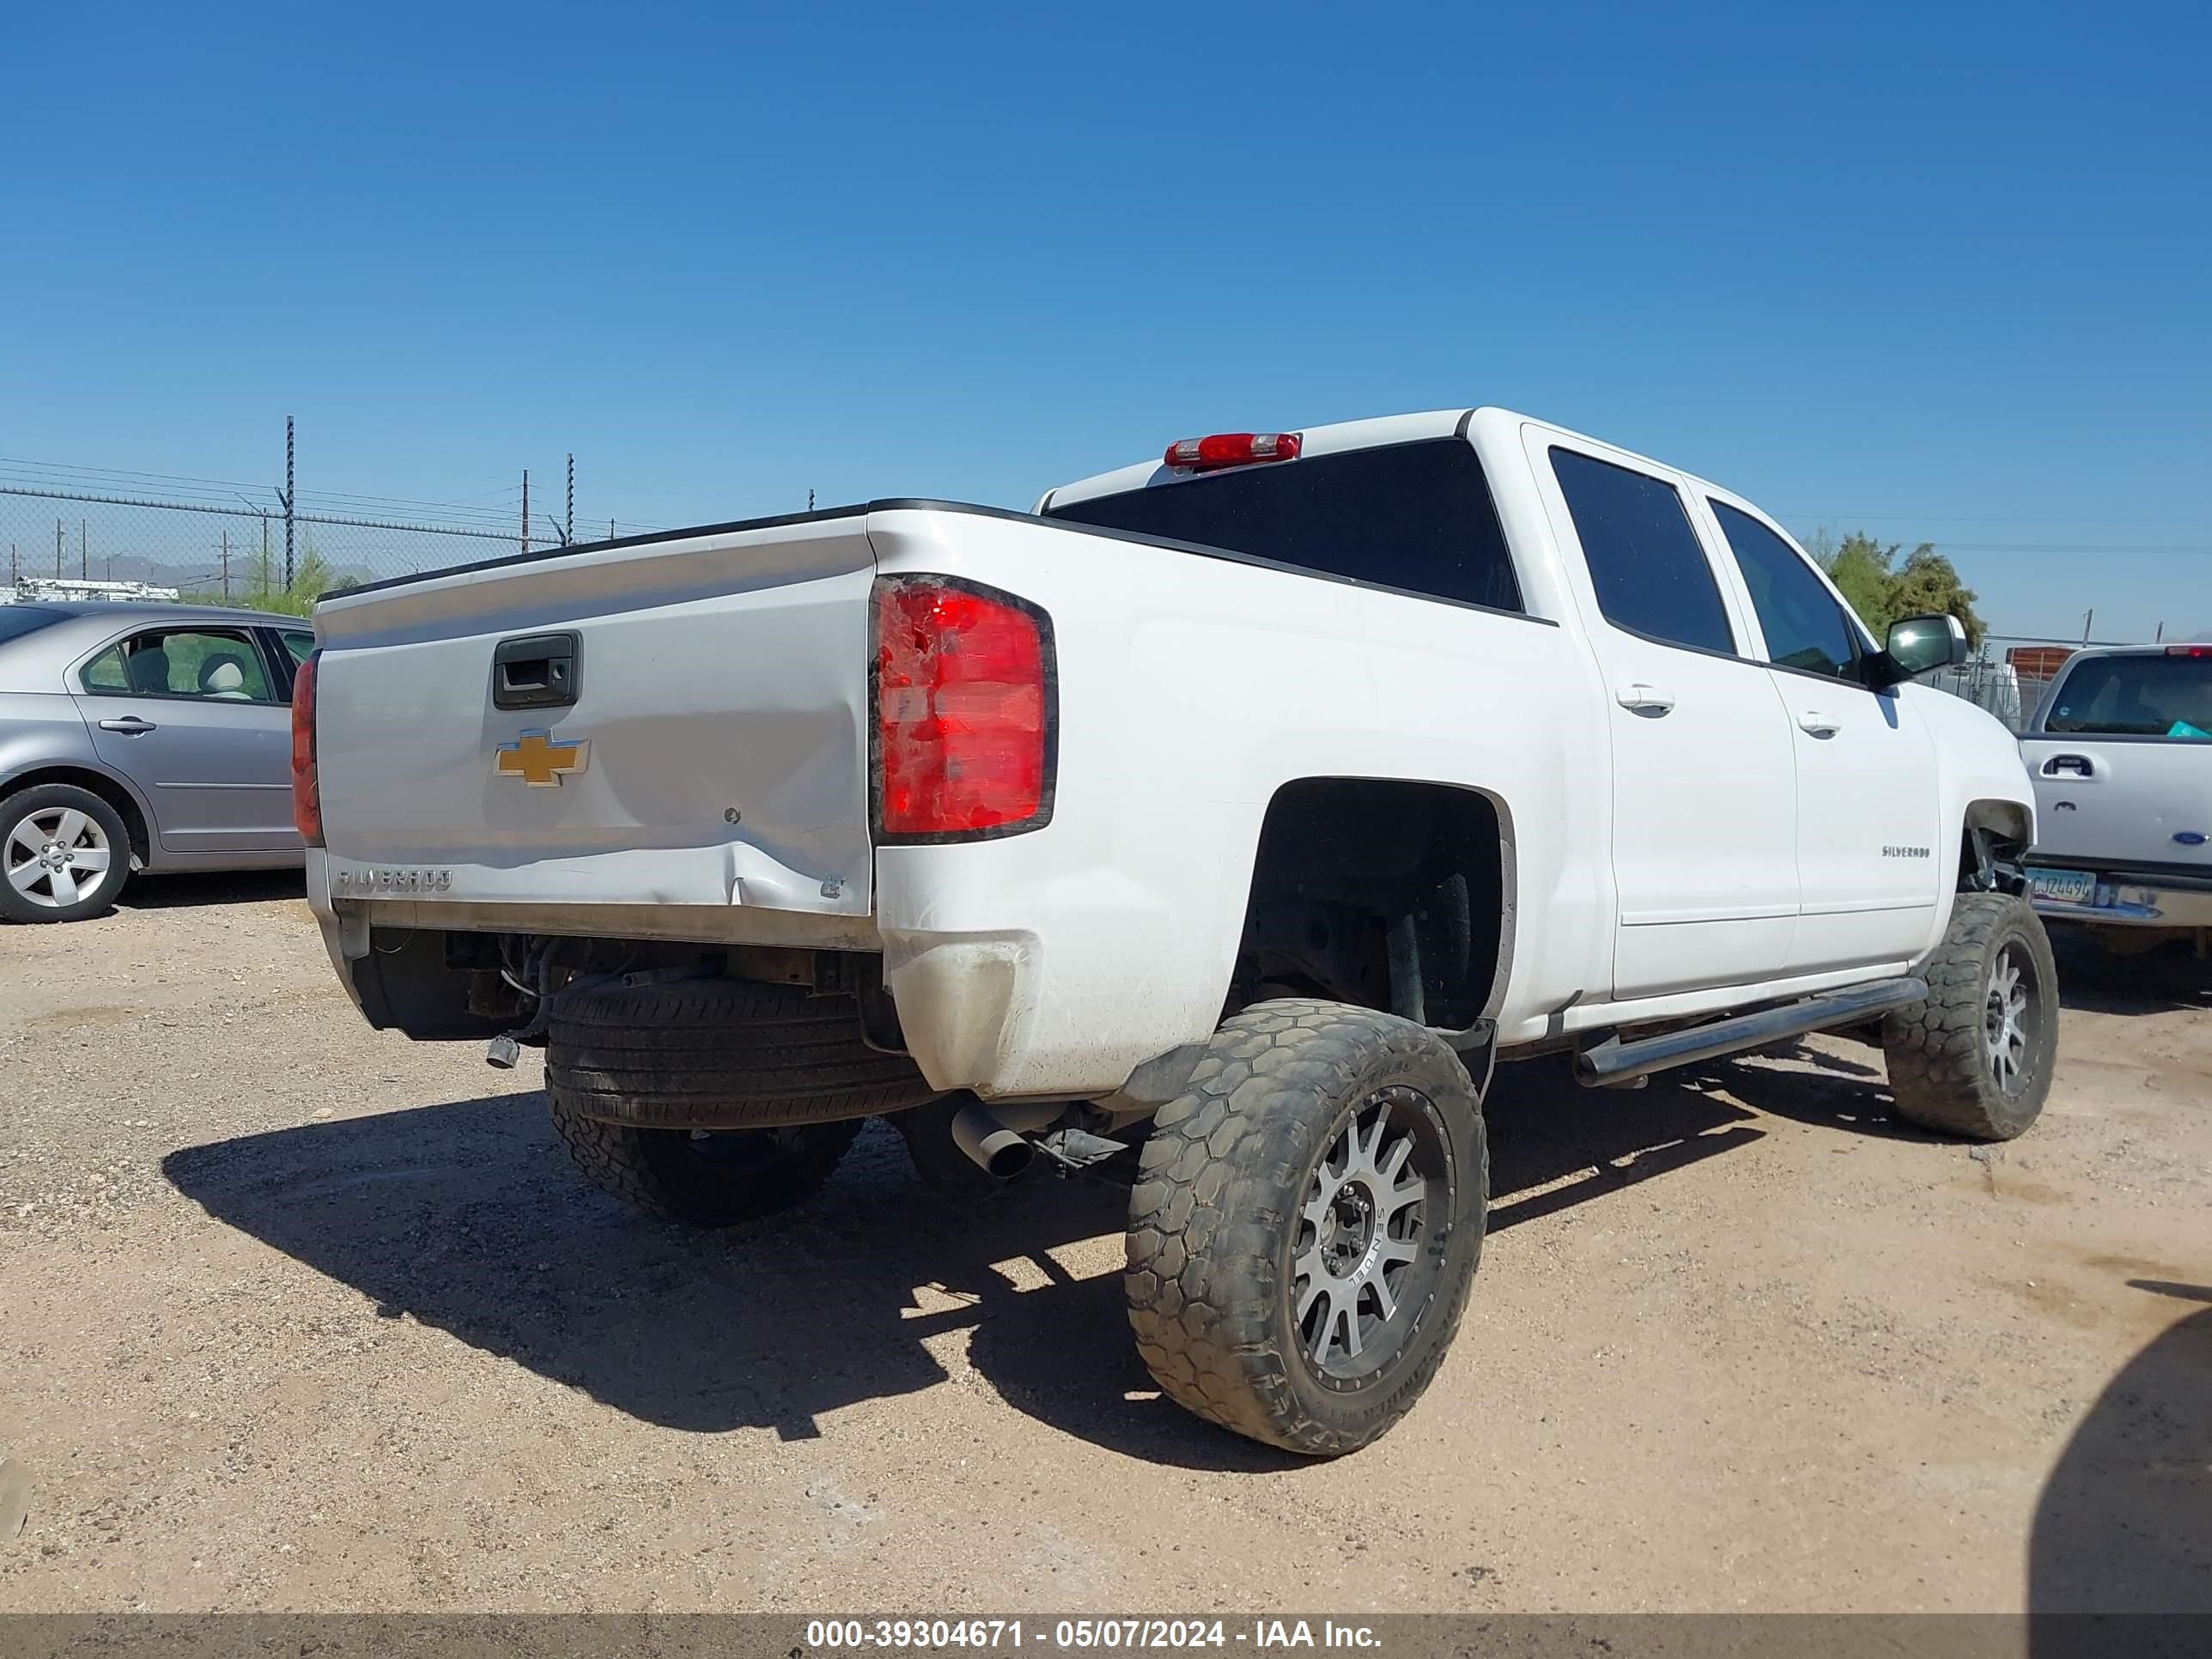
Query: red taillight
(1233, 449)
(963, 710)
(2189, 650)
(306, 786)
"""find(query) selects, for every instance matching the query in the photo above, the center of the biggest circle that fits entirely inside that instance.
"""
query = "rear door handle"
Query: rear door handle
(130, 726)
(1819, 725)
(2080, 765)
(1643, 699)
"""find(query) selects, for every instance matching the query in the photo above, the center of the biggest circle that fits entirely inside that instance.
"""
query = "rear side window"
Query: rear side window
(1650, 569)
(2168, 695)
(1413, 516)
(181, 662)
(1805, 628)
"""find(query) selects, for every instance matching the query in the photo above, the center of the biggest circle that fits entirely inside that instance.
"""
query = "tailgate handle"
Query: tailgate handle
(2080, 765)
(535, 671)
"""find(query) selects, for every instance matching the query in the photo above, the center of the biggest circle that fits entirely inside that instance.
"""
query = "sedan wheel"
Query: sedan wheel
(64, 854)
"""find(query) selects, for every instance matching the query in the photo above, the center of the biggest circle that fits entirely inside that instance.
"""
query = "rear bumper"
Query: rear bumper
(2124, 899)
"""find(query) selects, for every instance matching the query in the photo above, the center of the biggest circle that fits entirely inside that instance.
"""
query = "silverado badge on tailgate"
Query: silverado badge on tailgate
(540, 762)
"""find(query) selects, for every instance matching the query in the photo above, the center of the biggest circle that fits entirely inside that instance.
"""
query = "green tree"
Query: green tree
(1860, 567)
(1882, 590)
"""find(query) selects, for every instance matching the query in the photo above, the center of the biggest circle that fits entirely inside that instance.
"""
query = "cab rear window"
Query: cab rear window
(2167, 695)
(1417, 517)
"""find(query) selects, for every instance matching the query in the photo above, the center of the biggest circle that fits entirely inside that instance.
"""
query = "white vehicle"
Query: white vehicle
(1213, 826)
(2121, 751)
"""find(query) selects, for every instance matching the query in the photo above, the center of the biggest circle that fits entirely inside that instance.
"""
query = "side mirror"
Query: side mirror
(1918, 645)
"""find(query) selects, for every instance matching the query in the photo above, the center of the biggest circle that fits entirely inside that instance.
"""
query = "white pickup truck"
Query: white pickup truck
(2121, 751)
(1213, 827)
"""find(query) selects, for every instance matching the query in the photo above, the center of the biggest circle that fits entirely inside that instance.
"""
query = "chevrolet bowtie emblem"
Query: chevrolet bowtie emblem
(540, 762)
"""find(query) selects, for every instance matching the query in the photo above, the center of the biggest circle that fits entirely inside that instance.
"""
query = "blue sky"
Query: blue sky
(1940, 271)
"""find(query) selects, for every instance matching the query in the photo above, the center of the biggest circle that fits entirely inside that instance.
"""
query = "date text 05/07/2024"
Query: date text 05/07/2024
(1258, 1634)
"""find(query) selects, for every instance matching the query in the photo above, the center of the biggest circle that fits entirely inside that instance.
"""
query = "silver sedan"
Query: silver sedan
(152, 738)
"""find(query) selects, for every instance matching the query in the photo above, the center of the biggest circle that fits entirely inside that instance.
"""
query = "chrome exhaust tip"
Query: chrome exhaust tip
(992, 1147)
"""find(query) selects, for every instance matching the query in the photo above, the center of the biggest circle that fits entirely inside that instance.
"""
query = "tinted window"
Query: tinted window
(1805, 626)
(2161, 696)
(301, 646)
(1650, 569)
(181, 662)
(1417, 516)
(17, 620)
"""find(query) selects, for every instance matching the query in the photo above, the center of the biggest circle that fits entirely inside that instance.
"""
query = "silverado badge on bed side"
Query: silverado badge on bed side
(540, 762)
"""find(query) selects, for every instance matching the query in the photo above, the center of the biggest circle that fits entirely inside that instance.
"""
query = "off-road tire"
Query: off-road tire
(1940, 1068)
(42, 798)
(708, 1179)
(719, 1053)
(1215, 1220)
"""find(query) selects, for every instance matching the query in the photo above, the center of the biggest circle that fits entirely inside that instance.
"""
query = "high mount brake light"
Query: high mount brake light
(964, 711)
(2189, 650)
(306, 782)
(1233, 449)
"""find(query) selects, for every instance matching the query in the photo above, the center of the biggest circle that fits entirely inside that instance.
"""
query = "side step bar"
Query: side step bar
(1614, 1062)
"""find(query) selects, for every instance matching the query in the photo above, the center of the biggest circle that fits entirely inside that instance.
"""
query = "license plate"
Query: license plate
(2062, 886)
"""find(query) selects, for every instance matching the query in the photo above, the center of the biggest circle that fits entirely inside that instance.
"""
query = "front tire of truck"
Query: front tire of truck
(706, 1178)
(1306, 1224)
(1975, 1059)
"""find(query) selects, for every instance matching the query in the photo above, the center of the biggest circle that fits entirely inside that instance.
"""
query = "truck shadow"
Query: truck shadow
(2124, 1523)
(2171, 978)
(469, 1219)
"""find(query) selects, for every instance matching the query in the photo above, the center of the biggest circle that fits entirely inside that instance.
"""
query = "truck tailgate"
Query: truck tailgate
(2107, 802)
(715, 752)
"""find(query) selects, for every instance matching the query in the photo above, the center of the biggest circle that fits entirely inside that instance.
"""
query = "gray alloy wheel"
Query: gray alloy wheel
(2012, 1020)
(1360, 1254)
(64, 854)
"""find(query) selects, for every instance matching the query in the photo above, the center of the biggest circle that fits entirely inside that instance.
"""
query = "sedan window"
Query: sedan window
(181, 662)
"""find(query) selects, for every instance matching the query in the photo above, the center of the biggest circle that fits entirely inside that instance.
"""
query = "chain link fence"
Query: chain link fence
(2010, 676)
(238, 555)
(72, 531)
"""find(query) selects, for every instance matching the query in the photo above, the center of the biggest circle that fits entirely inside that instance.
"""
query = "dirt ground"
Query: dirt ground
(294, 1316)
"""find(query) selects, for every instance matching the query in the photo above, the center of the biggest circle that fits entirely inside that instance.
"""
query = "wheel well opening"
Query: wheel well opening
(99, 784)
(1390, 894)
(1992, 845)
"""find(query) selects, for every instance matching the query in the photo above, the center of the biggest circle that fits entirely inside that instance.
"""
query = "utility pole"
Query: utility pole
(14, 570)
(83, 552)
(610, 530)
(290, 497)
(526, 509)
(569, 523)
(58, 549)
(226, 565)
